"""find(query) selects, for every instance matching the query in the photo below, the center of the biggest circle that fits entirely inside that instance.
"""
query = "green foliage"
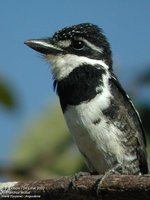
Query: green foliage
(7, 98)
(46, 147)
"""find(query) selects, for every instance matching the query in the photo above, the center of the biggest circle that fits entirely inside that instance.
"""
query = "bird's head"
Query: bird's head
(72, 47)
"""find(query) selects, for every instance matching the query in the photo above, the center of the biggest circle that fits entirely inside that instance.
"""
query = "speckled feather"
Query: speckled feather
(120, 114)
(91, 32)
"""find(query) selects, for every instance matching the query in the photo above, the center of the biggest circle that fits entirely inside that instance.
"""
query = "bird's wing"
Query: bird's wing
(129, 122)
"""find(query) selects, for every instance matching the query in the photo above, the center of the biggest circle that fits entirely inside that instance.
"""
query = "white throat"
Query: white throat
(63, 65)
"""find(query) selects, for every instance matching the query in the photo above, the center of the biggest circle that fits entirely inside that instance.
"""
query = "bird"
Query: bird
(99, 114)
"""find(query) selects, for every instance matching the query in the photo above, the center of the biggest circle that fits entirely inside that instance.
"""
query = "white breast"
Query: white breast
(98, 142)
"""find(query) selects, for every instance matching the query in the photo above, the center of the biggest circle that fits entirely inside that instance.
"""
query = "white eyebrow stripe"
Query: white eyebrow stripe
(100, 50)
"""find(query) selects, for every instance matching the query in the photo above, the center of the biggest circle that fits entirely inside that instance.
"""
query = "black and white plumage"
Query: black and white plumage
(99, 114)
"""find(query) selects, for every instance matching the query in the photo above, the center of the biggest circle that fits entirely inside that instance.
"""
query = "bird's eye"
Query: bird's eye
(78, 45)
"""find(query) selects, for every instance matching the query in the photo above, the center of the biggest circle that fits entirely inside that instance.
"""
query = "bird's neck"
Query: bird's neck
(82, 84)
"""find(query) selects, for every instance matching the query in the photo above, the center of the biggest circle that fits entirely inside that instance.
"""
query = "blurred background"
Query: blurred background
(34, 140)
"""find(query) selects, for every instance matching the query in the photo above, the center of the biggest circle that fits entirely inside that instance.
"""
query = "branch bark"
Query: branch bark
(115, 187)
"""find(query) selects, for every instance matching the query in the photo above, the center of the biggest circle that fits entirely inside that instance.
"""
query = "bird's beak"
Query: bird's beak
(43, 46)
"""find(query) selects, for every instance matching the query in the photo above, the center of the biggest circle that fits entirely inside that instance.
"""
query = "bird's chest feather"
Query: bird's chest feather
(95, 136)
(84, 95)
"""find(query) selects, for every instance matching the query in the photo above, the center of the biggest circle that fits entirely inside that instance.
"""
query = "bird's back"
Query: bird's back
(126, 118)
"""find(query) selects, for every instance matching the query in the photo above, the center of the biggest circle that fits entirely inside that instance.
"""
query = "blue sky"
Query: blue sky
(126, 24)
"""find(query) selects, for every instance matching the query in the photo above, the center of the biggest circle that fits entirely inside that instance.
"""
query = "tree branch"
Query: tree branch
(115, 187)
